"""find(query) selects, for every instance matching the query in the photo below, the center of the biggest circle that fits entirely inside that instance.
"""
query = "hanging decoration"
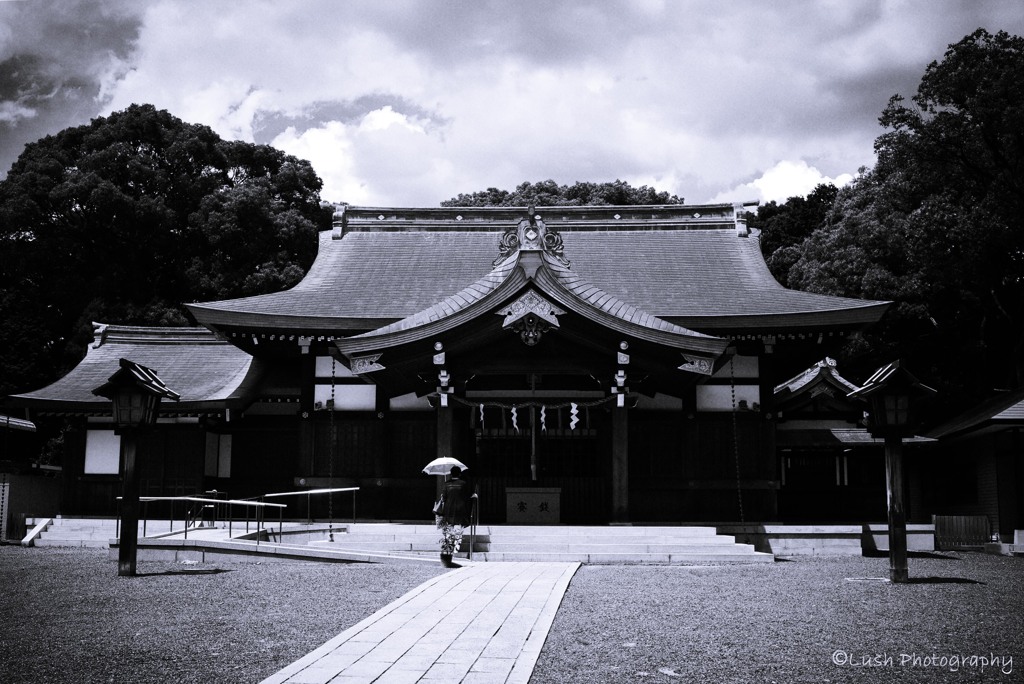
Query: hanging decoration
(574, 408)
(543, 419)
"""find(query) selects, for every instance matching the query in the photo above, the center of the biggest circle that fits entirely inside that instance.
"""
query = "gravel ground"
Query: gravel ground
(793, 621)
(67, 617)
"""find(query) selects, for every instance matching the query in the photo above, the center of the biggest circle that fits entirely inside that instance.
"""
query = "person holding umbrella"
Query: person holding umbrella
(452, 514)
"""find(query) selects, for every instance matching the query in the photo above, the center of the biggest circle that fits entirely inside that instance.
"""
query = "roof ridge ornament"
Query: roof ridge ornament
(531, 234)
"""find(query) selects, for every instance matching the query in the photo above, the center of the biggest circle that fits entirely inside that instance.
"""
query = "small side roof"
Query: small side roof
(998, 413)
(12, 423)
(825, 437)
(209, 374)
(823, 371)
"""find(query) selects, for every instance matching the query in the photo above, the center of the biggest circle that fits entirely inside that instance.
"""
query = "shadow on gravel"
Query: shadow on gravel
(943, 580)
(214, 571)
(934, 555)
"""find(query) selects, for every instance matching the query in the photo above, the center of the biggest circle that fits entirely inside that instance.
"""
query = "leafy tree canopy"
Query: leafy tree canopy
(937, 226)
(126, 218)
(785, 226)
(549, 194)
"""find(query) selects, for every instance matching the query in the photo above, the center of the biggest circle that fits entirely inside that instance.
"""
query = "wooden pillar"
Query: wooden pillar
(769, 464)
(897, 514)
(620, 464)
(129, 541)
(445, 435)
(307, 432)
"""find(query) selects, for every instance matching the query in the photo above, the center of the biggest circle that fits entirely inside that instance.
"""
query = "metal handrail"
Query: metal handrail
(309, 492)
(198, 499)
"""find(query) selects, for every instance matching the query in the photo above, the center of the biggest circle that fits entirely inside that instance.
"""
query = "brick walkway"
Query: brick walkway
(483, 623)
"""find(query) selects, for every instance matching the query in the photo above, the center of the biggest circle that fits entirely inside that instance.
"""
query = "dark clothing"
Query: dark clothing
(455, 510)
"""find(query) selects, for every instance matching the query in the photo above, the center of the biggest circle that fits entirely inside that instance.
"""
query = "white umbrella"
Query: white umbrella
(443, 466)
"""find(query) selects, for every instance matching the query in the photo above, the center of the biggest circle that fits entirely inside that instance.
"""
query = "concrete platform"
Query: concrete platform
(480, 624)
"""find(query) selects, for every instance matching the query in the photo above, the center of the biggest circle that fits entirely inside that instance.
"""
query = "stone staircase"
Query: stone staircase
(87, 532)
(610, 545)
(617, 545)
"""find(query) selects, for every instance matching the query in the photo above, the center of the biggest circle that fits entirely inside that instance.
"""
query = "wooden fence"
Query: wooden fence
(958, 531)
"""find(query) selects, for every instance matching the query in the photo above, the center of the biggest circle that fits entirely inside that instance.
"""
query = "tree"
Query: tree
(124, 219)
(784, 226)
(549, 193)
(937, 225)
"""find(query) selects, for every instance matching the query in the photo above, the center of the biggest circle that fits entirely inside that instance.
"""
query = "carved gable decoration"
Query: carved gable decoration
(698, 364)
(366, 364)
(531, 233)
(530, 316)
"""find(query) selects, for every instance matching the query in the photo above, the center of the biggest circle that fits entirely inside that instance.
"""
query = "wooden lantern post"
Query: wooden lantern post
(890, 390)
(136, 392)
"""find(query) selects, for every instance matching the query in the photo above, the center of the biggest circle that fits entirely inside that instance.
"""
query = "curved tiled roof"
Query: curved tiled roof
(555, 279)
(604, 301)
(457, 302)
(208, 373)
(703, 276)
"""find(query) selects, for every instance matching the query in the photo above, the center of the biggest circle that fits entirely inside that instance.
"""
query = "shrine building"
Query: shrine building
(615, 363)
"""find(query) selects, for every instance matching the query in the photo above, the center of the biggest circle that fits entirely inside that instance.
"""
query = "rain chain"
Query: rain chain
(330, 463)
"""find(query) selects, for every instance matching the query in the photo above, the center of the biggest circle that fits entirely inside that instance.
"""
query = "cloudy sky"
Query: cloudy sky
(408, 103)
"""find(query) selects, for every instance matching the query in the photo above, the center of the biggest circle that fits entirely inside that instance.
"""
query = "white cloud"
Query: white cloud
(689, 97)
(784, 180)
(329, 150)
(384, 118)
(382, 156)
(12, 112)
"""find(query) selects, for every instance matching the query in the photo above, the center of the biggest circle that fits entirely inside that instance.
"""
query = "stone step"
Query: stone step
(576, 550)
(383, 547)
(600, 530)
(84, 543)
(623, 546)
(537, 540)
(73, 535)
(627, 558)
(722, 539)
(620, 547)
(84, 523)
(397, 540)
(536, 531)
